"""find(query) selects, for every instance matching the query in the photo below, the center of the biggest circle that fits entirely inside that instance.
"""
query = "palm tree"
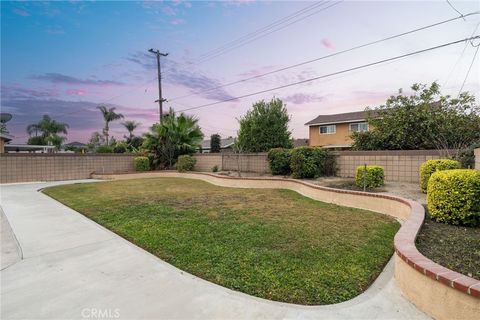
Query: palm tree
(109, 115)
(130, 126)
(174, 136)
(50, 130)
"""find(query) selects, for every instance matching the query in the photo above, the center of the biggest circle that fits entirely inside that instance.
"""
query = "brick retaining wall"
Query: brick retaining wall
(25, 167)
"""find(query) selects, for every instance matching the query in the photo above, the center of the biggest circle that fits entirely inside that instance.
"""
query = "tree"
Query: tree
(424, 120)
(130, 126)
(109, 115)
(96, 140)
(265, 127)
(215, 143)
(174, 136)
(49, 130)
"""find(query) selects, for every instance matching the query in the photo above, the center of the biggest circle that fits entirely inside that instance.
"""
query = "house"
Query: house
(334, 130)
(300, 143)
(4, 139)
(226, 145)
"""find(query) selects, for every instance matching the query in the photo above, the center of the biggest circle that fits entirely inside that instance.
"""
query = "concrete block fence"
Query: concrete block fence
(400, 166)
(26, 167)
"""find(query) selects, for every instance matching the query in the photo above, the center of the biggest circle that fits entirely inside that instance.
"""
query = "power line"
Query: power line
(461, 56)
(265, 34)
(451, 5)
(323, 57)
(265, 28)
(334, 73)
(469, 69)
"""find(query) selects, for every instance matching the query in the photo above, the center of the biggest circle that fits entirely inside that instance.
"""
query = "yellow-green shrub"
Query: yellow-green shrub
(453, 196)
(374, 176)
(141, 163)
(430, 166)
(186, 163)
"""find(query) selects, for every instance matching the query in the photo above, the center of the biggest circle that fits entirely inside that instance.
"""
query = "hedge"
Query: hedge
(311, 162)
(186, 163)
(141, 163)
(430, 166)
(374, 177)
(453, 196)
(279, 161)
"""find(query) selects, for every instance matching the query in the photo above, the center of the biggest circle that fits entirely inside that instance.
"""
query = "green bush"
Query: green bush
(279, 161)
(120, 148)
(430, 166)
(186, 163)
(454, 196)
(104, 149)
(215, 168)
(141, 163)
(311, 162)
(373, 177)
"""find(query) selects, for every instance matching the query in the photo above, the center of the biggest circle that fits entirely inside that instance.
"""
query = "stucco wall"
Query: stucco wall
(51, 167)
(341, 137)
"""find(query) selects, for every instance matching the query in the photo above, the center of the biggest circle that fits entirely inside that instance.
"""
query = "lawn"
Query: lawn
(270, 243)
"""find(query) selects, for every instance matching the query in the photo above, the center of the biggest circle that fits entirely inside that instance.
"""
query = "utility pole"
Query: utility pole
(160, 98)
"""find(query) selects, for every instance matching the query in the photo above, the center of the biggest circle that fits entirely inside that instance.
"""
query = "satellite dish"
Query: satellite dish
(5, 117)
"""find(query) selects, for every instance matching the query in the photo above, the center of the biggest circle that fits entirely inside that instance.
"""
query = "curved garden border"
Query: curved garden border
(434, 289)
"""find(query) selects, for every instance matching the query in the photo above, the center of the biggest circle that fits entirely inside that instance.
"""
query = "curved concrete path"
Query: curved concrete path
(73, 268)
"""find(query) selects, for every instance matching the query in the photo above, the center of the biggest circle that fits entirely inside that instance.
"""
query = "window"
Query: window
(359, 127)
(331, 129)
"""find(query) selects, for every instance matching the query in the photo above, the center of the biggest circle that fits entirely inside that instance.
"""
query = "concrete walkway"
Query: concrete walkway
(73, 268)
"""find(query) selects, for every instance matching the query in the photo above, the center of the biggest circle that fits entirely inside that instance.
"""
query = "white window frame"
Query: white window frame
(358, 123)
(334, 126)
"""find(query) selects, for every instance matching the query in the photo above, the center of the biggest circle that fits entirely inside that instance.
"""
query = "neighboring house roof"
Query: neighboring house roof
(224, 143)
(338, 118)
(300, 143)
(5, 137)
(27, 147)
(75, 144)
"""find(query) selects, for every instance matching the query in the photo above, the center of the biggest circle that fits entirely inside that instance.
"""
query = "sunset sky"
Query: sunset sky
(65, 58)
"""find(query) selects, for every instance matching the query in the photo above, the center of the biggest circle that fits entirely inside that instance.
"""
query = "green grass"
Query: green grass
(270, 243)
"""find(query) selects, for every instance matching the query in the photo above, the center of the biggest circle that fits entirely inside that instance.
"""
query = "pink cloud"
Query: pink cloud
(177, 21)
(327, 43)
(169, 11)
(21, 12)
(76, 92)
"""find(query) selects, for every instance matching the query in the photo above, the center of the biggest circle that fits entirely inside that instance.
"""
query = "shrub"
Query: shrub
(373, 176)
(279, 161)
(311, 162)
(454, 196)
(104, 149)
(430, 166)
(141, 163)
(119, 148)
(215, 168)
(186, 163)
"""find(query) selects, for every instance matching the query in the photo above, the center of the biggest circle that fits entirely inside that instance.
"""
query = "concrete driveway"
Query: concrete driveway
(66, 266)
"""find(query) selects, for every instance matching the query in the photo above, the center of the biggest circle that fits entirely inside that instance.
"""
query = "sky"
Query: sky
(64, 58)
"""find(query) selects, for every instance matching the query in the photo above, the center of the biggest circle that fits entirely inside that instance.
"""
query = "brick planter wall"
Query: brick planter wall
(24, 167)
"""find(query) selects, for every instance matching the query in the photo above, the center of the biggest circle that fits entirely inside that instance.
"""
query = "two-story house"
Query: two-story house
(334, 130)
